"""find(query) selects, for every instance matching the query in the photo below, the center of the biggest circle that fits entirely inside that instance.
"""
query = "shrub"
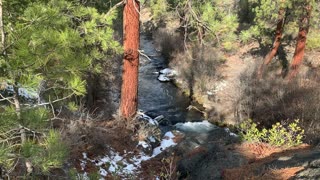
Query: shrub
(279, 135)
(250, 132)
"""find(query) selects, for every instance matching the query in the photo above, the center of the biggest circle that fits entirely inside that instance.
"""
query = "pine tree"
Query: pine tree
(304, 26)
(277, 39)
(49, 47)
(283, 18)
(129, 89)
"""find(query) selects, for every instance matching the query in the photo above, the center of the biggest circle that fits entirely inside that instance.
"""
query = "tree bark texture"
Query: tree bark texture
(301, 41)
(276, 44)
(129, 89)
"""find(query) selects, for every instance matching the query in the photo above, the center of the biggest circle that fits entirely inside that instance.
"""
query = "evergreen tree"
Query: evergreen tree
(204, 22)
(129, 89)
(221, 22)
(283, 18)
(277, 38)
(304, 25)
(49, 46)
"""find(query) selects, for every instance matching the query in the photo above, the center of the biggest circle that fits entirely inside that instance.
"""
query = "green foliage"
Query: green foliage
(72, 106)
(266, 17)
(50, 153)
(57, 42)
(5, 160)
(278, 135)
(158, 8)
(35, 118)
(290, 136)
(211, 22)
(8, 118)
(313, 40)
(50, 46)
(250, 131)
(221, 21)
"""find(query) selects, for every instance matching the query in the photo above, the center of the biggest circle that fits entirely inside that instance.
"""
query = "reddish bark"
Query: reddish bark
(276, 44)
(301, 42)
(129, 89)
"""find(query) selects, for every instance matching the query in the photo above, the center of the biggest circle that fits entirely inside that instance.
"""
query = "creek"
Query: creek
(161, 98)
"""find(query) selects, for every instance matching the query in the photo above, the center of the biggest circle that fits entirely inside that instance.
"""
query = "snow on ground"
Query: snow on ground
(163, 78)
(201, 127)
(167, 74)
(127, 164)
(148, 118)
(165, 143)
(231, 133)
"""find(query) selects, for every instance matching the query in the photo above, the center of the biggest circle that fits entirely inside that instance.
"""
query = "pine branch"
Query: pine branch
(146, 56)
(6, 99)
(51, 102)
(115, 7)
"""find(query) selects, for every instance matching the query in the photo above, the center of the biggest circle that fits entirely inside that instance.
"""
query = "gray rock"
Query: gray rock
(315, 163)
(204, 155)
(309, 173)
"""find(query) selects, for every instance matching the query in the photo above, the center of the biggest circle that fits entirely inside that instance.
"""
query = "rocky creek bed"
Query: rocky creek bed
(187, 147)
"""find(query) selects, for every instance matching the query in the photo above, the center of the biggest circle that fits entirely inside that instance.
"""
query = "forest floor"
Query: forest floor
(104, 150)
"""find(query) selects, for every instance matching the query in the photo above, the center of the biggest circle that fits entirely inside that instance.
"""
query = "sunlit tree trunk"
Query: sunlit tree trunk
(301, 41)
(129, 89)
(276, 44)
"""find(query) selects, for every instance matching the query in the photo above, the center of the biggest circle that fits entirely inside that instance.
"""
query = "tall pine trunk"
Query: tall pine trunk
(129, 89)
(276, 44)
(301, 41)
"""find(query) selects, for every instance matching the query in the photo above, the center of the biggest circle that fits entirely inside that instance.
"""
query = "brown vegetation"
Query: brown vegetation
(275, 100)
(258, 155)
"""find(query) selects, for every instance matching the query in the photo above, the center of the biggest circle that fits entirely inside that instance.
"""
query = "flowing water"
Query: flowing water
(161, 98)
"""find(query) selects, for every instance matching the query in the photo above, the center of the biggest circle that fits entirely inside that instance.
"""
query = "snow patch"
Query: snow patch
(231, 133)
(163, 78)
(127, 164)
(165, 143)
(167, 74)
(201, 127)
(148, 118)
(143, 144)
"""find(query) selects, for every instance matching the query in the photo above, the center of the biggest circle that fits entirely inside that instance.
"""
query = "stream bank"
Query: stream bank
(217, 153)
(201, 147)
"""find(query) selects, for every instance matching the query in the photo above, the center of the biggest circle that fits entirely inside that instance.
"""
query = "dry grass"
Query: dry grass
(246, 173)
(168, 43)
(258, 151)
(259, 154)
(280, 174)
(198, 70)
